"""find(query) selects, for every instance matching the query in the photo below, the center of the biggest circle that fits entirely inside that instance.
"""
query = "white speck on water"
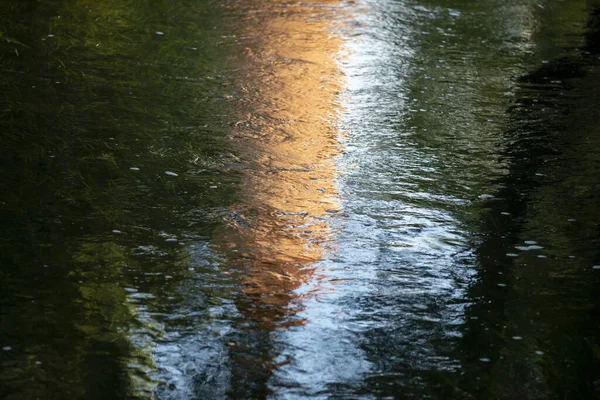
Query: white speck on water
(7, 348)
(168, 277)
(541, 256)
(502, 284)
(38, 363)
(596, 267)
(539, 353)
(484, 359)
(170, 173)
(486, 196)
(530, 242)
(571, 220)
(212, 187)
(420, 307)
(134, 168)
(545, 62)
(141, 296)
(571, 256)
(517, 338)
(421, 8)
(532, 247)
(512, 255)
(505, 213)
(50, 35)
(159, 33)
(171, 240)
(116, 231)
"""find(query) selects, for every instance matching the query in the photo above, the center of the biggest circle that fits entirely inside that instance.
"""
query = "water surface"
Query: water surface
(319, 199)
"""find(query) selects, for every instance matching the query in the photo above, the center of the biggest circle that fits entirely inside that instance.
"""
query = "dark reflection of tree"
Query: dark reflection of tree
(88, 90)
(532, 330)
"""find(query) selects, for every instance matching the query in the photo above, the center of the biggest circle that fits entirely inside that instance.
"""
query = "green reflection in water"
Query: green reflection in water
(98, 100)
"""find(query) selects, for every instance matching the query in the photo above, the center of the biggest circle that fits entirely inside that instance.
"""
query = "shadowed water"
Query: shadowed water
(320, 199)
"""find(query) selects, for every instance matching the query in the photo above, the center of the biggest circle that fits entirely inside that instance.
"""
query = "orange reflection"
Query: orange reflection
(287, 140)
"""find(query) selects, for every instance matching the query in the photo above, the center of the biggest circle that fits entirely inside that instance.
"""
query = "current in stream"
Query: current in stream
(251, 199)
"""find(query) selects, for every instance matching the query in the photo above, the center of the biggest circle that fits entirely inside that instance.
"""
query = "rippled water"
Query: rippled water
(250, 199)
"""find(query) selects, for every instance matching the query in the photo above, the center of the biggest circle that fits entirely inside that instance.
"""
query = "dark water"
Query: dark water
(329, 200)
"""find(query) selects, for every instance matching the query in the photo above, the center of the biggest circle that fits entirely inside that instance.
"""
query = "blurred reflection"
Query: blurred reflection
(287, 143)
(531, 330)
(286, 140)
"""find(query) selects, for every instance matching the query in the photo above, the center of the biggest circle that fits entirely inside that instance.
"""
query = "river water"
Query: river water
(366, 199)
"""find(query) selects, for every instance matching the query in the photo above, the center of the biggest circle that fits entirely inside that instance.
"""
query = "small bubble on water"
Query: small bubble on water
(486, 196)
(504, 213)
(159, 33)
(571, 220)
(116, 231)
(531, 247)
(171, 173)
(530, 242)
(517, 338)
(512, 255)
(502, 284)
(484, 359)
(596, 267)
(134, 168)
(539, 353)
(7, 348)
(541, 256)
